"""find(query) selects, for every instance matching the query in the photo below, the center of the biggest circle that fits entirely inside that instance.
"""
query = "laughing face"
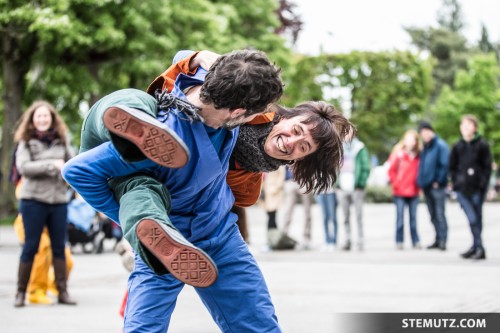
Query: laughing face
(42, 119)
(290, 139)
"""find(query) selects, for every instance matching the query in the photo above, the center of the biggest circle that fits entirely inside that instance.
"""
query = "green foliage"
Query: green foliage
(388, 91)
(72, 52)
(477, 92)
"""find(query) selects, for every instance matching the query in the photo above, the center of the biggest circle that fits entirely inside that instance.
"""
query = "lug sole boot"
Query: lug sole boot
(182, 259)
(23, 278)
(60, 277)
(156, 141)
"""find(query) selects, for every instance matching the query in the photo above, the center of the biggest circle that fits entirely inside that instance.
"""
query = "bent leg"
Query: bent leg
(239, 301)
(151, 300)
(141, 197)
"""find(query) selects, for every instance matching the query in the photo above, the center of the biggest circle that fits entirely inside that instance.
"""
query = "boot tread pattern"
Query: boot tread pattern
(155, 143)
(188, 264)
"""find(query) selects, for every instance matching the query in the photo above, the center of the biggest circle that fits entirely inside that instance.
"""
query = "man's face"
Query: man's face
(290, 140)
(240, 120)
(426, 135)
(467, 129)
(226, 118)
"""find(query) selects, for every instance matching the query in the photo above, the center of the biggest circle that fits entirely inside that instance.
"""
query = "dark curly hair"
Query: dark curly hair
(242, 79)
(318, 171)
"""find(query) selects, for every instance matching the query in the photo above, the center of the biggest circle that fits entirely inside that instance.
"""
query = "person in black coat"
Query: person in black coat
(470, 170)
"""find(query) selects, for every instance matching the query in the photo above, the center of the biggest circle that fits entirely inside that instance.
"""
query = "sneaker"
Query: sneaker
(183, 260)
(347, 246)
(156, 141)
(399, 246)
(417, 246)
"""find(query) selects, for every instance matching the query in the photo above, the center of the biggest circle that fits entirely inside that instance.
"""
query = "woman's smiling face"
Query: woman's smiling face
(290, 139)
(42, 119)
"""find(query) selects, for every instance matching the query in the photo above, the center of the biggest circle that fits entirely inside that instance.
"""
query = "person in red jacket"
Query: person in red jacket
(403, 171)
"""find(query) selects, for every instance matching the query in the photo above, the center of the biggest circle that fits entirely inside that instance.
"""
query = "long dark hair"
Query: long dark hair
(318, 171)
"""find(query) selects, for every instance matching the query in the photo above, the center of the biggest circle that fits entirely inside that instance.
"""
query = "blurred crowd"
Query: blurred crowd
(421, 167)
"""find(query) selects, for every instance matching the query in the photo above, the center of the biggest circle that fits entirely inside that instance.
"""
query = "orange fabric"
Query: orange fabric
(245, 186)
(262, 119)
(167, 79)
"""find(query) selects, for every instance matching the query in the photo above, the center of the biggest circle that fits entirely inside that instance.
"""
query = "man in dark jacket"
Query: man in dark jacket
(432, 179)
(470, 170)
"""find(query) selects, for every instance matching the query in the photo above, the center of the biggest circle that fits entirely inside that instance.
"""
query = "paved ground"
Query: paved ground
(308, 287)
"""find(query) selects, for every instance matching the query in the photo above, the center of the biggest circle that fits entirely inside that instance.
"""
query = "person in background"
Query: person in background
(432, 178)
(470, 170)
(292, 190)
(42, 276)
(403, 169)
(328, 202)
(272, 191)
(352, 183)
(43, 148)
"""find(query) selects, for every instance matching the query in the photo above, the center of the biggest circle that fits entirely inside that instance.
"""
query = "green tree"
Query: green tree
(446, 44)
(477, 92)
(388, 91)
(450, 16)
(73, 52)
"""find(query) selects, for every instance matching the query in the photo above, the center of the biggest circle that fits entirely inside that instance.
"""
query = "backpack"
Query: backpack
(14, 174)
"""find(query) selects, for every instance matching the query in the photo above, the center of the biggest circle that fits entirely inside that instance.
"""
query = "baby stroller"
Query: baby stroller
(84, 227)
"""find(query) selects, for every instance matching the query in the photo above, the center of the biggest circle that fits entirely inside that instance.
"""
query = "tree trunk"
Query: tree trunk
(14, 70)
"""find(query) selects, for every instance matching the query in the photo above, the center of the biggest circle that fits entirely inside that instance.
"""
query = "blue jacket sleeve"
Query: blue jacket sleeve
(89, 172)
(443, 163)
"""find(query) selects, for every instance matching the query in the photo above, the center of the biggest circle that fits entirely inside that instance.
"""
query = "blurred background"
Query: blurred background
(386, 64)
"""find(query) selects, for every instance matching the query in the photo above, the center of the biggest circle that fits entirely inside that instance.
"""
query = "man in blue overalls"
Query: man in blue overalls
(200, 200)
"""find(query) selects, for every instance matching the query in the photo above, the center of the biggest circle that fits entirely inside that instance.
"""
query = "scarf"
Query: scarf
(46, 137)
(249, 150)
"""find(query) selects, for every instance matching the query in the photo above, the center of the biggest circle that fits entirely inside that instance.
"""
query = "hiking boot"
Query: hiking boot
(183, 260)
(155, 141)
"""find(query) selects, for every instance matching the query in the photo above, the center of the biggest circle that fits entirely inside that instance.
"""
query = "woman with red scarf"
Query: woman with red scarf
(42, 150)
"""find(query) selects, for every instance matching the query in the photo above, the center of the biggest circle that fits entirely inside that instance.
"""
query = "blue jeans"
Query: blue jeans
(328, 204)
(238, 301)
(436, 200)
(37, 215)
(412, 203)
(472, 204)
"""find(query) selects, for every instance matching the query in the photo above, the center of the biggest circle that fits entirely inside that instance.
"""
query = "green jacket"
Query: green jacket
(361, 168)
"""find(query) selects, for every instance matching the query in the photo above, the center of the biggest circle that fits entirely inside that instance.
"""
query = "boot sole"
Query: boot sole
(158, 143)
(186, 263)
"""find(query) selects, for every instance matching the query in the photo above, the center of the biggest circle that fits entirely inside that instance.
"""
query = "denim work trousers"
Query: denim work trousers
(328, 204)
(36, 215)
(412, 203)
(436, 201)
(238, 301)
(472, 204)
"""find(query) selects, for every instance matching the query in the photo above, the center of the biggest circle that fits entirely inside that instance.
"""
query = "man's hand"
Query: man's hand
(203, 59)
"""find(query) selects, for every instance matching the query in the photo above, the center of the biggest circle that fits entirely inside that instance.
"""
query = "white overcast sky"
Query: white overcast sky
(342, 26)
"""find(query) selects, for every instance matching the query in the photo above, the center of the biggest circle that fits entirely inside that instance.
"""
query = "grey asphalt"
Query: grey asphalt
(308, 287)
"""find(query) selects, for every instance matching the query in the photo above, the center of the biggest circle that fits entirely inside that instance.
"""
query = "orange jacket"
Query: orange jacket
(245, 185)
